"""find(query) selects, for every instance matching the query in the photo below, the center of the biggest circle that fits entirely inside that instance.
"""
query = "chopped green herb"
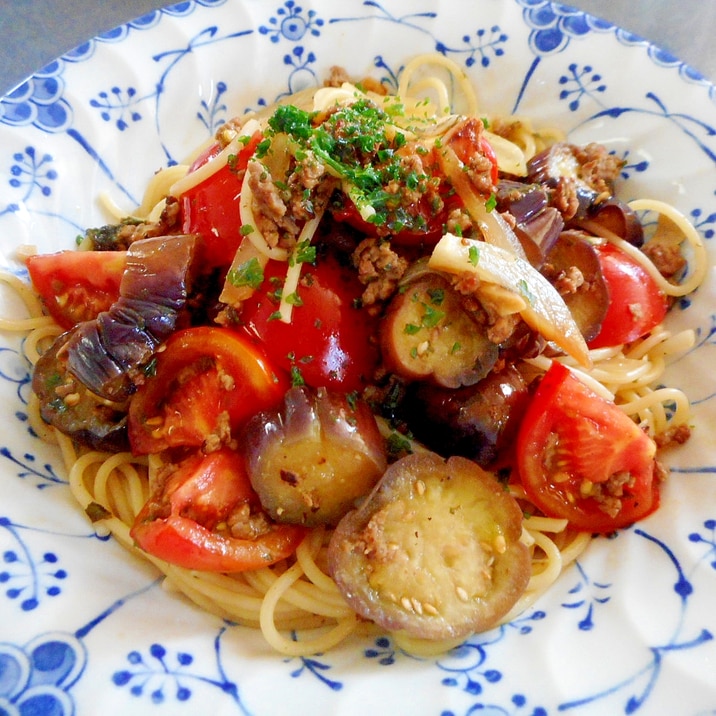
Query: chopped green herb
(296, 377)
(293, 299)
(411, 329)
(250, 273)
(246, 229)
(304, 253)
(525, 291)
(432, 316)
(397, 444)
(491, 203)
(473, 254)
(437, 296)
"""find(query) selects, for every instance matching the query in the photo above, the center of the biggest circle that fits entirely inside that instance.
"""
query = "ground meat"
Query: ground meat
(459, 222)
(677, 435)
(498, 328)
(667, 258)
(479, 169)
(379, 269)
(270, 210)
(598, 167)
(608, 494)
(564, 197)
(336, 77)
(569, 281)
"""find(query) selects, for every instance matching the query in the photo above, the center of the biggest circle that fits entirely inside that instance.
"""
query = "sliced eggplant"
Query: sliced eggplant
(66, 404)
(428, 335)
(587, 297)
(313, 458)
(435, 550)
(478, 422)
(105, 354)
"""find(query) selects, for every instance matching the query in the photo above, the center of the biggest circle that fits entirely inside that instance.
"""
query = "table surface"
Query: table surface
(34, 32)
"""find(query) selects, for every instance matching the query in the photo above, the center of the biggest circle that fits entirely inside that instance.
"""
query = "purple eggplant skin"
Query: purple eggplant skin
(106, 353)
(478, 422)
(589, 301)
(314, 456)
(594, 199)
(67, 405)
(619, 218)
(537, 225)
(85, 379)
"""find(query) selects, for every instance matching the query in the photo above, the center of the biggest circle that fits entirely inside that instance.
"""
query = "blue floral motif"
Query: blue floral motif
(301, 74)
(697, 130)
(37, 678)
(554, 25)
(581, 82)
(312, 665)
(290, 23)
(30, 171)
(25, 578)
(44, 477)
(638, 684)
(579, 600)
(38, 101)
(163, 676)
(213, 114)
(119, 104)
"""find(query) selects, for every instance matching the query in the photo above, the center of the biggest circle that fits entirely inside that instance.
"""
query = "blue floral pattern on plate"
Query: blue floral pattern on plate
(628, 629)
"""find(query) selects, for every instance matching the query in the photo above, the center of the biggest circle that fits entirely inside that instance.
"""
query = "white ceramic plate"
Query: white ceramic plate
(85, 628)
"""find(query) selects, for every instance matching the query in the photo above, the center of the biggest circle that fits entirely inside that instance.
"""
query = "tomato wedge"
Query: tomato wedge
(211, 208)
(579, 457)
(636, 304)
(329, 342)
(76, 286)
(205, 381)
(207, 517)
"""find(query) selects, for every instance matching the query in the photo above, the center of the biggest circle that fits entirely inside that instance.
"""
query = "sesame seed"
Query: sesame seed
(417, 605)
(462, 595)
(423, 348)
(430, 609)
(420, 487)
(406, 604)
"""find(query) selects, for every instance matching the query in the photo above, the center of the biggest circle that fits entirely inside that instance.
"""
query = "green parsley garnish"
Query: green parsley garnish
(250, 273)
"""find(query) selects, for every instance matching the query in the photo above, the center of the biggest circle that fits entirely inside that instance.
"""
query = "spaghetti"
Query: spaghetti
(298, 595)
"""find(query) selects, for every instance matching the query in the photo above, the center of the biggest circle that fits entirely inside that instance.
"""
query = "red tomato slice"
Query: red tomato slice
(211, 209)
(329, 341)
(75, 286)
(581, 458)
(636, 304)
(201, 377)
(207, 517)
(469, 140)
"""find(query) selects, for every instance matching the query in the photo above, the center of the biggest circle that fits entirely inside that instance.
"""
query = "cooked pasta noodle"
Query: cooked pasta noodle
(298, 595)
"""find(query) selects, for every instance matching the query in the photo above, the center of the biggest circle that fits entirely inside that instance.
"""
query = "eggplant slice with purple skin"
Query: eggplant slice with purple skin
(434, 551)
(84, 380)
(311, 459)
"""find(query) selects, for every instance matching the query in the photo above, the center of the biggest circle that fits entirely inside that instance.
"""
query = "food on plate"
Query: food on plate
(372, 356)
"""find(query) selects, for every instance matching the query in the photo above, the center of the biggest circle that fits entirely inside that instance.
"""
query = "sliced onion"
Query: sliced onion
(493, 227)
(544, 309)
